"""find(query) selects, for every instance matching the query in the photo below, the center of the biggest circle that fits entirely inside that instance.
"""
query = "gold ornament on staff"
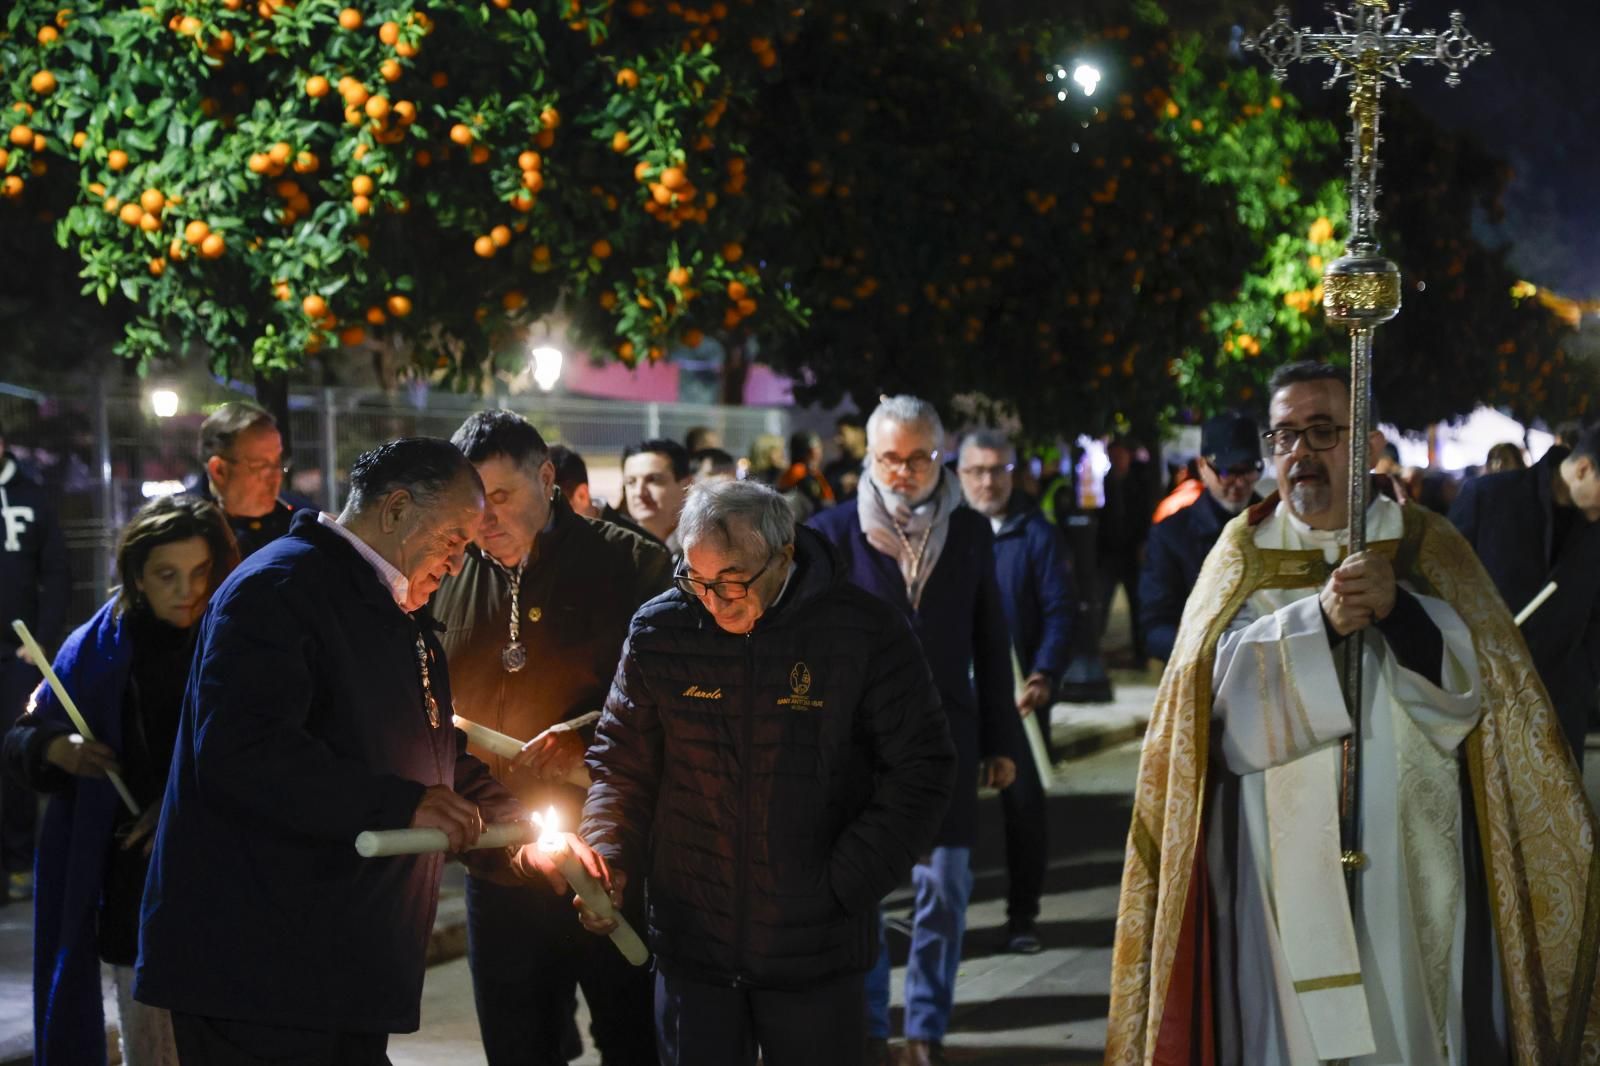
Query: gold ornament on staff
(1361, 288)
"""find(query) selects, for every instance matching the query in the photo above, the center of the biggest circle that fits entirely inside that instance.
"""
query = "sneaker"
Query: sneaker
(19, 887)
(1022, 938)
(877, 1051)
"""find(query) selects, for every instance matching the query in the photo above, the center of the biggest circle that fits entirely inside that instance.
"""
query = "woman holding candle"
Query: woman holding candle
(127, 668)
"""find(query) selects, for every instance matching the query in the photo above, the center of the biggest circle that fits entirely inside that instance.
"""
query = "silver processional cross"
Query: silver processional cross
(1361, 288)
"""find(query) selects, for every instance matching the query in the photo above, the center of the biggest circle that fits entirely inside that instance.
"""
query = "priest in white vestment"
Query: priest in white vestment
(1477, 923)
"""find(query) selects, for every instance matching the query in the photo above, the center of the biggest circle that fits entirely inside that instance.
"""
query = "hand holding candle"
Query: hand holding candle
(537, 753)
(567, 852)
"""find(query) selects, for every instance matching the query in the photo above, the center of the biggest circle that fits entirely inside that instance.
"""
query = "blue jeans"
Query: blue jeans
(944, 885)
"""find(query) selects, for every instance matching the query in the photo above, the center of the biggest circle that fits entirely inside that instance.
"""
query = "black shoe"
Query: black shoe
(1022, 938)
(877, 1053)
(925, 1053)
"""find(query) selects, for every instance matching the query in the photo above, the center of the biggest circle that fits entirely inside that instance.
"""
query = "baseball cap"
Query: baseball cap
(1230, 440)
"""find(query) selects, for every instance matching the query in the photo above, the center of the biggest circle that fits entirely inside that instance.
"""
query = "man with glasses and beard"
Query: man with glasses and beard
(906, 538)
(243, 455)
(1230, 466)
(771, 761)
(1237, 937)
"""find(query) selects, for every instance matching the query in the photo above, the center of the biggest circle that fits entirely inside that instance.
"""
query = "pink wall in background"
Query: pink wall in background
(658, 382)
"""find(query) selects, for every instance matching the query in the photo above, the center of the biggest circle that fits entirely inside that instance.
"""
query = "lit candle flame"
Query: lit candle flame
(549, 826)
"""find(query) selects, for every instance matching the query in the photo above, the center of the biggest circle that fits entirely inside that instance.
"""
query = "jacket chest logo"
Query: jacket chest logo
(697, 693)
(799, 686)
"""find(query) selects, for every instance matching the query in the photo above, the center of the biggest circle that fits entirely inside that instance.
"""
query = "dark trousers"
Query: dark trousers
(528, 954)
(1122, 569)
(1027, 841)
(701, 1024)
(220, 1042)
(19, 806)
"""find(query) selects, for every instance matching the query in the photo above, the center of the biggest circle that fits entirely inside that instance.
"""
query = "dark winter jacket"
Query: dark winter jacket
(1035, 582)
(304, 724)
(1508, 517)
(770, 787)
(577, 595)
(35, 579)
(962, 626)
(1177, 547)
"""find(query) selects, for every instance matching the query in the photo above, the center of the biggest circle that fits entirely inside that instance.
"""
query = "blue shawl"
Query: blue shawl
(69, 871)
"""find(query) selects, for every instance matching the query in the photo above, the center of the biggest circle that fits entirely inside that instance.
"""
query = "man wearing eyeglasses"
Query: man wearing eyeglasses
(243, 455)
(1230, 466)
(1036, 591)
(907, 538)
(771, 761)
(1237, 937)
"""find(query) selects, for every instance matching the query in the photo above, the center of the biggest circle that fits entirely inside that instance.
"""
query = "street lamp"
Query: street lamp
(164, 402)
(546, 366)
(1087, 75)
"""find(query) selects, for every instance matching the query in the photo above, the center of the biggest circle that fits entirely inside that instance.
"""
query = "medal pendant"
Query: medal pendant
(433, 710)
(514, 657)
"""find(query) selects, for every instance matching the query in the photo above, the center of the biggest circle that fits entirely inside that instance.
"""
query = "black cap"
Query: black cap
(1230, 440)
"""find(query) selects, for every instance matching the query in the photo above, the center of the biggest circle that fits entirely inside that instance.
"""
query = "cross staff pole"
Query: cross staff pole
(1361, 288)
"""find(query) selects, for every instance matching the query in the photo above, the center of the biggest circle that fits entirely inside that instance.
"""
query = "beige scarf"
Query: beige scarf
(911, 534)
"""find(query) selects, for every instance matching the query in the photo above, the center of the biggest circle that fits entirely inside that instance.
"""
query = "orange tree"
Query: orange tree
(264, 179)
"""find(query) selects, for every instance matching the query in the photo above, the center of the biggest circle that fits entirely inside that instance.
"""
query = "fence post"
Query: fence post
(107, 501)
(330, 451)
(652, 421)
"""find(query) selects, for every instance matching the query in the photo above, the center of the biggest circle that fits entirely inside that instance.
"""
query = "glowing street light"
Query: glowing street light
(546, 366)
(1087, 76)
(164, 402)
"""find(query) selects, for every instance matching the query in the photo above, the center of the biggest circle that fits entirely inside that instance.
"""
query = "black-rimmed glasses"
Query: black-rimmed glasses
(1319, 437)
(727, 590)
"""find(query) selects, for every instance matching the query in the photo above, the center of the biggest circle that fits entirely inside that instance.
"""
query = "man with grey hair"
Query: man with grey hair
(771, 760)
(906, 538)
(242, 450)
(1036, 592)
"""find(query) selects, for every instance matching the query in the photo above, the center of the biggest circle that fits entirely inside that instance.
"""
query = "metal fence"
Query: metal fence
(102, 450)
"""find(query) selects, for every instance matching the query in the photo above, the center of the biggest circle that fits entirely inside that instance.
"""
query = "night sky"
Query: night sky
(1535, 103)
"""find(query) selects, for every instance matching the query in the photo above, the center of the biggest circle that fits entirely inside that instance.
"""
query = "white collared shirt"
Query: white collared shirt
(398, 584)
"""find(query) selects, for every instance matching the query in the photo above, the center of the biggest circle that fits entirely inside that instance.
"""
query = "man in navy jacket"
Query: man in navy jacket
(1534, 526)
(1230, 466)
(907, 538)
(318, 707)
(1036, 591)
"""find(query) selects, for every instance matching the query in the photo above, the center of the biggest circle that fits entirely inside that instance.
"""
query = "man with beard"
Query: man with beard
(1470, 938)
(906, 538)
(1036, 590)
(1230, 466)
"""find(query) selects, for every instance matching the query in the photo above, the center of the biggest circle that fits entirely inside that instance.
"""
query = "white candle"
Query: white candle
(379, 842)
(593, 894)
(509, 747)
(1535, 603)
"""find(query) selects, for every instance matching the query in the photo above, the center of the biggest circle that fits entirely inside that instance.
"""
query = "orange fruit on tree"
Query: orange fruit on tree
(47, 35)
(736, 291)
(541, 253)
(424, 158)
(259, 163)
(484, 247)
(158, 267)
(545, 138)
(674, 178)
(501, 236)
(22, 137)
(747, 306)
(375, 316)
(399, 305)
(733, 251)
(149, 222)
(152, 200)
(461, 134)
(354, 116)
(280, 290)
(678, 276)
(405, 49)
(213, 246)
(79, 139)
(314, 306)
(479, 154)
(355, 94)
(625, 349)
(131, 213)
(390, 69)
(306, 163)
(317, 86)
(350, 19)
(692, 337)
(608, 300)
(405, 111)
(513, 300)
(601, 249)
(439, 79)
(361, 205)
(628, 78)
(11, 186)
(532, 180)
(5, 159)
(660, 193)
(196, 231)
(361, 185)
(351, 336)
(641, 170)
(522, 202)
(620, 141)
(529, 160)
(43, 82)
(389, 33)
(550, 118)
(39, 142)
(378, 107)
(280, 154)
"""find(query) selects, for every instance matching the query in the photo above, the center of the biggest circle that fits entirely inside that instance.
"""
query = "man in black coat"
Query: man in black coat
(1230, 466)
(534, 624)
(1531, 527)
(318, 707)
(772, 760)
(242, 450)
(35, 586)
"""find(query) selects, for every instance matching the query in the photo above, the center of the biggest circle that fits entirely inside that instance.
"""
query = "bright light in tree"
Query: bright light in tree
(546, 366)
(164, 402)
(1087, 77)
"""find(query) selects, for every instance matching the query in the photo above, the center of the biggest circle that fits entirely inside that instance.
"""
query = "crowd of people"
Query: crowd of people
(805, 671)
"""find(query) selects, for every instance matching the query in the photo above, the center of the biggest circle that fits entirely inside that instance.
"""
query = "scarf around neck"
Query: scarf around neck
(912, 535)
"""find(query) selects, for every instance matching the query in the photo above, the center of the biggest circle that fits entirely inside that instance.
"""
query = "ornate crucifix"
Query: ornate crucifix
(1361, 288)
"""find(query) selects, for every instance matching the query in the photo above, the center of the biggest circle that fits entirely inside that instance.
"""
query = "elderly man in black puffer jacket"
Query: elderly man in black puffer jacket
(772, 759)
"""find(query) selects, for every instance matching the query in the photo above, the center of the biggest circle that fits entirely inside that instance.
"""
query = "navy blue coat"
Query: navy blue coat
(1176, 550)
(303, 725)
(1035, 581)
(963, 630)
(1508, 518)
